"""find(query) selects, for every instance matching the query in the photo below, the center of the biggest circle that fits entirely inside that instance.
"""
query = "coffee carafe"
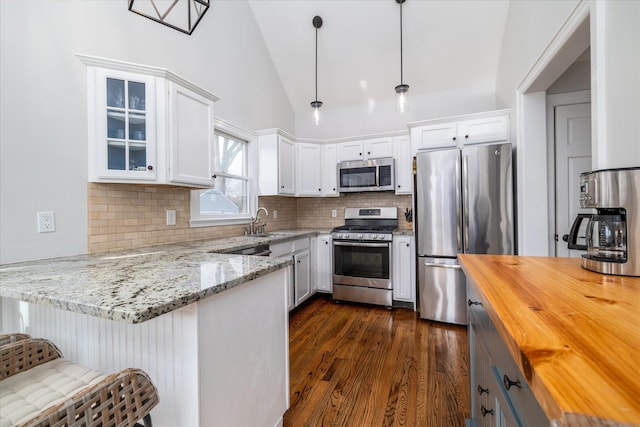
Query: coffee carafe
(612, 238)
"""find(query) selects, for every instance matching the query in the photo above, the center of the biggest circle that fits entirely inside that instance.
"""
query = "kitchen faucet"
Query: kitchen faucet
(253, 229)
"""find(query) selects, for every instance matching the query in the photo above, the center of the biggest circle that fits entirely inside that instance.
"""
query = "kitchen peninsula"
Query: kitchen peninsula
(573, 334)
(209, 327)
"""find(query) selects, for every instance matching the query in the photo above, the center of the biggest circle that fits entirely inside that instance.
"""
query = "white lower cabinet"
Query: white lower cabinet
(302, 276)
(299, 281)
(324, 263)
(404, 269)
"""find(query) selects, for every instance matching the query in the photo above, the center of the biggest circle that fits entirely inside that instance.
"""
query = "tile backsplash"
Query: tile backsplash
(123, 216)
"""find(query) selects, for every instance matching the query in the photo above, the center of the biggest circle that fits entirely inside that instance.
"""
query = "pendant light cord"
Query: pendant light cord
(401, 62)
(316, 63)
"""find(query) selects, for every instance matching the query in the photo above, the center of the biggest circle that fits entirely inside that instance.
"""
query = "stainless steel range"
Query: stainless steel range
(362, 256)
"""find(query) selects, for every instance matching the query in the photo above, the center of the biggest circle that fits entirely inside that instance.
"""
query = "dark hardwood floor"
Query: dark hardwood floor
(359, 365)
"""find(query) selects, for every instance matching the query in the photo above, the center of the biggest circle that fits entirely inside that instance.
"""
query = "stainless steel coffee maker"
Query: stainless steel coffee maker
(612, 238)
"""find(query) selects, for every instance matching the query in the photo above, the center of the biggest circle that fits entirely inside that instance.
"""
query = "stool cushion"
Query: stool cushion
(25, 395)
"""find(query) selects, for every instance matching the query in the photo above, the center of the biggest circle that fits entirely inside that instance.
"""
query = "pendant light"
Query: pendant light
(402, 88)
(317, 23)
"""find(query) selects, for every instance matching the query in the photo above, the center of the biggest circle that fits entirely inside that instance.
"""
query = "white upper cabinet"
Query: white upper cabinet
(147, 125)
(378, 148)
(478, 128)
(191, 137)
(329, 170)
(308, 162)
(276, 173)
(352, 150)
(434, 136)
(374, 148)
(404, 164)
(490, 129)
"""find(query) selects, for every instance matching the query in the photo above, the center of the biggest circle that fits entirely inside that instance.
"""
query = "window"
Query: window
(229, 201)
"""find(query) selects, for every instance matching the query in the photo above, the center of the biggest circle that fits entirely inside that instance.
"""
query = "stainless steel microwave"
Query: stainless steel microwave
(366, 175)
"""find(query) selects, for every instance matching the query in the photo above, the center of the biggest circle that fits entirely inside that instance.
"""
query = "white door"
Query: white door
(573, 156)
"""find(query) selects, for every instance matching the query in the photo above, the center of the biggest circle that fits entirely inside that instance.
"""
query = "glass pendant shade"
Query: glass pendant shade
(401, 98)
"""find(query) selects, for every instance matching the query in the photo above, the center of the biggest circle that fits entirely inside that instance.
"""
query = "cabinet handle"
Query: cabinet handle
(482, 390)
(473, 303)
(508, 383)
(150, 167)
(486, 411)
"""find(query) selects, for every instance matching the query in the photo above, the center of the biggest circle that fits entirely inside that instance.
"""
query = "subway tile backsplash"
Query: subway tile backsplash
(123, 216)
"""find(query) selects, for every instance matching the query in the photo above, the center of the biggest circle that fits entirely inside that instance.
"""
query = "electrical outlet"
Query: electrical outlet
(46, 222)
(334, 213)
(171, 217)
(275, 214)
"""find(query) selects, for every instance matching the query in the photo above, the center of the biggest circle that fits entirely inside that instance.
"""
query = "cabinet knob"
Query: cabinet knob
(368, 152)
(360, 154)
(319, 190)
(398, 185)
(150, 167)
(408, 245)
(298, 261)
(482, 390)
(334, 189)
(473, 303)
(466, 136)
(214, 176)
(508, 383)
(454, 138)
(282, 186)
(326, 243)
(486, 411)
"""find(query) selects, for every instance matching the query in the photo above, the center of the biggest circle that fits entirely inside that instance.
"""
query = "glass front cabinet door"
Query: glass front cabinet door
(124, 116)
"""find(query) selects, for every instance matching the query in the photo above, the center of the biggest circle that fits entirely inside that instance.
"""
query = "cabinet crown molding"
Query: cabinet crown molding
(112, 64)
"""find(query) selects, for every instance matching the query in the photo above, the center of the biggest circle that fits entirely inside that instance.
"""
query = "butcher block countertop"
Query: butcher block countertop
(575, 334)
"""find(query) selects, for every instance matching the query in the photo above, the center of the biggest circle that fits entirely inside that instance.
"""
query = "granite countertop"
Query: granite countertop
(574, 333)
(137, 285)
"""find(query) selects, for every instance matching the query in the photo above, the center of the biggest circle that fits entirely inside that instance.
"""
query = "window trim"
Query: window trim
(198, 220)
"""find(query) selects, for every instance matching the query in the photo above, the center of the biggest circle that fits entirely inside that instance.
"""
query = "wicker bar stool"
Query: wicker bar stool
(38, 387)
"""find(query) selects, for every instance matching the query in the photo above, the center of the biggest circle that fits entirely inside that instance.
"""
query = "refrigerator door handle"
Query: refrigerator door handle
(465, 193)
(458, 208)
(433, 264)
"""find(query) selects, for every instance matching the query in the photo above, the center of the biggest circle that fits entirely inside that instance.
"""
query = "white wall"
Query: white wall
(380, 117)
(43, 119)
(576, 78)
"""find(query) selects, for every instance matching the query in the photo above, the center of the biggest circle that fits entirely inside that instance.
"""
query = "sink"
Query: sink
(259, 250)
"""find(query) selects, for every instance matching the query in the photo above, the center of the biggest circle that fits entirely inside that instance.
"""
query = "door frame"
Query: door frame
(553, 101)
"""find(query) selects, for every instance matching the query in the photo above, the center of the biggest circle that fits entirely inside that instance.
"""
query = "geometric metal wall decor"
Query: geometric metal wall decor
(181, 15)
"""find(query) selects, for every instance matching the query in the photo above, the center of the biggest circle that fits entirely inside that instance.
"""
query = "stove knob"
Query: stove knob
(360, 236)
(381, 236)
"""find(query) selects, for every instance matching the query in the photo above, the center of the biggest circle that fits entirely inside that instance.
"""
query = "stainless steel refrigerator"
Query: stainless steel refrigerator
(464, 204)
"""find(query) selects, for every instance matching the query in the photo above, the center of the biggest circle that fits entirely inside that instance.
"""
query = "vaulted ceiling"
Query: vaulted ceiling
(447, 44)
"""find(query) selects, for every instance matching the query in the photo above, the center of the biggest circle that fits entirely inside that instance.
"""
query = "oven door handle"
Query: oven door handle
(362, 244)
(433, 264)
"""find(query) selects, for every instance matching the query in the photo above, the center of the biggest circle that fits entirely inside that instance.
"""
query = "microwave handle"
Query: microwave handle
(572, 241)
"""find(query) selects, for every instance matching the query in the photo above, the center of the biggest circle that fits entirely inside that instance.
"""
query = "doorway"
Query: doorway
(569, 138)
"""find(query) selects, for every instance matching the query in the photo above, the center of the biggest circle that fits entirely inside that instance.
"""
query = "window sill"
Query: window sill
(214, 222)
